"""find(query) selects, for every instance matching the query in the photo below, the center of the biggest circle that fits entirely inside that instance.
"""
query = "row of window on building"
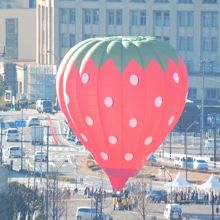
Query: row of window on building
(160, 1)
(210, 94)
(138, 17)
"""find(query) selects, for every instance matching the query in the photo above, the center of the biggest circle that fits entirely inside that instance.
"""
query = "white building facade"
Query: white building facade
(17, 30)
(191, 26)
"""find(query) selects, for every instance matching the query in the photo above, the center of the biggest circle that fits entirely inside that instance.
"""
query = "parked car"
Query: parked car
(88, 213)
(12, 134)
(33, 121)
(14, 152)
(200, 164)
(40, 156)
(173, 212)
(157, 196)
(181, 162)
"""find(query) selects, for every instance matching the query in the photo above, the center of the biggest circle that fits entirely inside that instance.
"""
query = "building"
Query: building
(36, 81)
(18, 30)
(191, 26)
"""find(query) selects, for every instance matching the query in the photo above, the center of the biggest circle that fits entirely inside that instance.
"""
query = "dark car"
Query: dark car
(157, 196)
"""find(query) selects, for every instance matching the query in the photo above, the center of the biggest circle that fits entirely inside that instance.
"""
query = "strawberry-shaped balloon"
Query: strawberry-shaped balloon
(122, 96)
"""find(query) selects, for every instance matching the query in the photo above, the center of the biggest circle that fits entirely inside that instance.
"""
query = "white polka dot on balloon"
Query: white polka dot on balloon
(85, 78)
(158, 101)
(170, 122)
(129, 156)
(108, 101)
(84, 137)
(133, 122)
(176, 77)
(112, 140)
(148, 140)
(67, 99)
(133, 80)
(104, 155)
(89, 121)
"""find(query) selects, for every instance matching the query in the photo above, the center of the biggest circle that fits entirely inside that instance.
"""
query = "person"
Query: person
(129, 202)
(114, 203)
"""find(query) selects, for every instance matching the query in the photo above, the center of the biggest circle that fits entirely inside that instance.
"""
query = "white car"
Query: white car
(14, 152)
(88, 213)
(12, 134)
(200, 164)
(33, 121)
(173, 212)
(40, 156)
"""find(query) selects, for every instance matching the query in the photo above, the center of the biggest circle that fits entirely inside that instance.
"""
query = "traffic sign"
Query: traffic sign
(20, 123)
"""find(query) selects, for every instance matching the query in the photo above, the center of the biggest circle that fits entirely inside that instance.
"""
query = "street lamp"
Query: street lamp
(213, 117)
(171, 195)
(185, 144)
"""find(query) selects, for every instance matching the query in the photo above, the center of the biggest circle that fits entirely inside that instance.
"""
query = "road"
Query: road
(66, 151)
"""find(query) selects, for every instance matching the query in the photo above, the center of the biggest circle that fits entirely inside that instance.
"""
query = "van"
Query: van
(44, 106)
(88, 213)
(12, 134)
(14, 152)
(173, 211)
(181, 162)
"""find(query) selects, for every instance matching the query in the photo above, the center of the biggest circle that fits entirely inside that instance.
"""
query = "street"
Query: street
(62, 161)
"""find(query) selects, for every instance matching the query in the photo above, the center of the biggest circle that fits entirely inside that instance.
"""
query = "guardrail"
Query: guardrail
(208, 159)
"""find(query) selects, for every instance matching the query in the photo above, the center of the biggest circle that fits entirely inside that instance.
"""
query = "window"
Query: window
(64, 15)
(212, 93)
(157, 18)
(205, 44)
(190, 43)
(161, 1)
(142, 18)
(210, 19)
(95, 13)
(189, 65)
(185, 43)
(190, 19)
(166, 39)
(64, 40)
(184, 18)
(67, 16)
(72, 16)
(87, 16)
(72, 40)
(118, 17)
(185, 1)
(166, 21)
(214, 44)
(209, 1)
(181, 43)
(110, 17)
(210, 44)
(137, 1)
(192, 93)
(161, 18)
(138, 17)
(11, 29)
(134, 17)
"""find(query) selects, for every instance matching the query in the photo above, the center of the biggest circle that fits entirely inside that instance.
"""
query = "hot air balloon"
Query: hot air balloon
(122, 96)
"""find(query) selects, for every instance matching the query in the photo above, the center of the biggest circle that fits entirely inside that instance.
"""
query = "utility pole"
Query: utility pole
(47, 202)
(22, 139)
(214, 131)
(1, 144)
(202, 108)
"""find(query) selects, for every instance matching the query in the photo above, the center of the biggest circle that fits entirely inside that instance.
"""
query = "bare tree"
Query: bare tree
(56, 197)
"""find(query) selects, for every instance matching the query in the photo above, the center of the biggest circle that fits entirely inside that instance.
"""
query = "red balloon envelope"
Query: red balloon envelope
(122, 96)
